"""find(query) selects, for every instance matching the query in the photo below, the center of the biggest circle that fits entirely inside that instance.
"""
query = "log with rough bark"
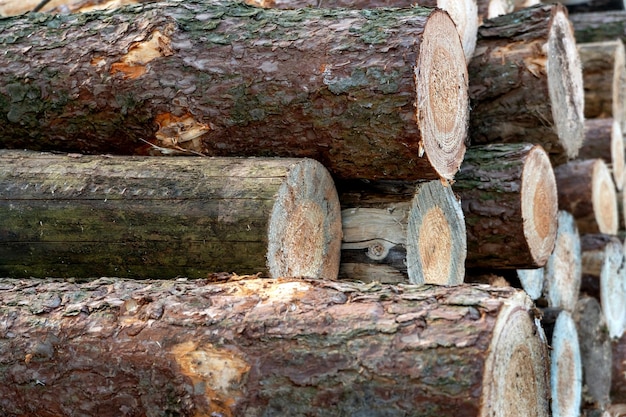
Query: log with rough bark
(563, 271)
(268, 347)
(618, 371)
(89, 216)
(604, 79)
(586, 189)
(604, 139)
(509, 199)
(368, 93)
(526, 82)
(603, 277)
(595, 353)
(416, 236)
(599, 26)
(463, 12)
(589, 6)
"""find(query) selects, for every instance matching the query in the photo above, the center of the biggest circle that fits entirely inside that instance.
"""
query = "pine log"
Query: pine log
(229, 79)
(595, 353)
(417, 238)
(268, 347)
(463, 12)
(565, 368)
(88, 216)
(604, 79)
(603, 277)
(563, 271)
(599, 26)
(526, 82)
(604, 140)
(586, 190)
(509, 199)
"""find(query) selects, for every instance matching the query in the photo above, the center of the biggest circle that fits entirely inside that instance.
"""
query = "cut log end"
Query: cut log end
(465, 16)
(604, 199)
(531, 281)
(442, 95)
(304, 237)
(514, 378)
(565, 368)
(566, 92)
(540, 207)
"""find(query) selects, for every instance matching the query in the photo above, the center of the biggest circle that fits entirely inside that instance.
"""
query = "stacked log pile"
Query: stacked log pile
(331, 161)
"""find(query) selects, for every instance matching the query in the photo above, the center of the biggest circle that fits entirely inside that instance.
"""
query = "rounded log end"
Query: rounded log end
(442, 95)
(465, 17)
(565, 367)
(515, 378)
(563, 271)
(619, 84)
(617, 155)
(539, 204)
(604, 199)
(565, 83)
(612, 290)
(304, 236)
(436, 236)
(532, 281)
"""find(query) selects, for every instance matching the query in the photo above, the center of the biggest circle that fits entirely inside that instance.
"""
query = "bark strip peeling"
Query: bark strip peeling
(369, 93)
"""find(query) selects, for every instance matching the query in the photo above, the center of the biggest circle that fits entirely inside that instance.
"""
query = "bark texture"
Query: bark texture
(586, 189)
(599, 26)
(604, 139)
(89, 216)
(526, 82)
(228, 79)
(419, 237)
(268, 347)
(509, 199)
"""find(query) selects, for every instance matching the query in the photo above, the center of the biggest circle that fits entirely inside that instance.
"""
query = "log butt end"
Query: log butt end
(442, 95)
(539, 205)
(565, 368)
(465, 16)
(515, 377)
(604, 199)
(304, 236)
(565, 83)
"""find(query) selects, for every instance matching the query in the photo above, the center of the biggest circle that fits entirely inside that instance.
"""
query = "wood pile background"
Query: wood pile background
(312, 208)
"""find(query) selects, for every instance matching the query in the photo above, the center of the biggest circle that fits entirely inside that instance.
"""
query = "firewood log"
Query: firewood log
(603, 277)
(586, 189)
(268, 347)
(595, 353)
(604, 139)
(563, 271)
(604, 79)
(509, 200)
(88, 216)
(368, 93)
(526, 82)
(394, 236)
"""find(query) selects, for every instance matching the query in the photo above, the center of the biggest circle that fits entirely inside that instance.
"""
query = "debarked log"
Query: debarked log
(393, 236)
(268, 347)
(89, 216)
(509, 199)
(526, 82)
(229, 79)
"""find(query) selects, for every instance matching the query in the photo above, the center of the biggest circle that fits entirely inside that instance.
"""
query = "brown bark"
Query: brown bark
(563, 271)
(488, 9)
(599, 26)
(604, 139)
(595, 353)
(88, 216)
(586, 190)
(418, 237)
(337, 86)
(526, 82)
(268, 347)
(509, 199)
(604, 79)
(603, 277)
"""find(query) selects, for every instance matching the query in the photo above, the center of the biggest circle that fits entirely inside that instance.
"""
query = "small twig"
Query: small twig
(40, 6)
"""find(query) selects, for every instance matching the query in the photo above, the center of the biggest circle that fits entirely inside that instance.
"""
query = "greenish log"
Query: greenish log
(369, 93)
(509, 200)
(599, 26)
(390, 236)
(265, 347)
(526, 82)
(87, 216)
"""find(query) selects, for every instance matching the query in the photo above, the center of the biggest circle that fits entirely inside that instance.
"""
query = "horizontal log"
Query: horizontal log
(604, 139)
(417, 237)
(599, 26)
(509, 199)
(268, 347)
(526, 82)
(85, 216)
(586, 189)
(337, 86)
